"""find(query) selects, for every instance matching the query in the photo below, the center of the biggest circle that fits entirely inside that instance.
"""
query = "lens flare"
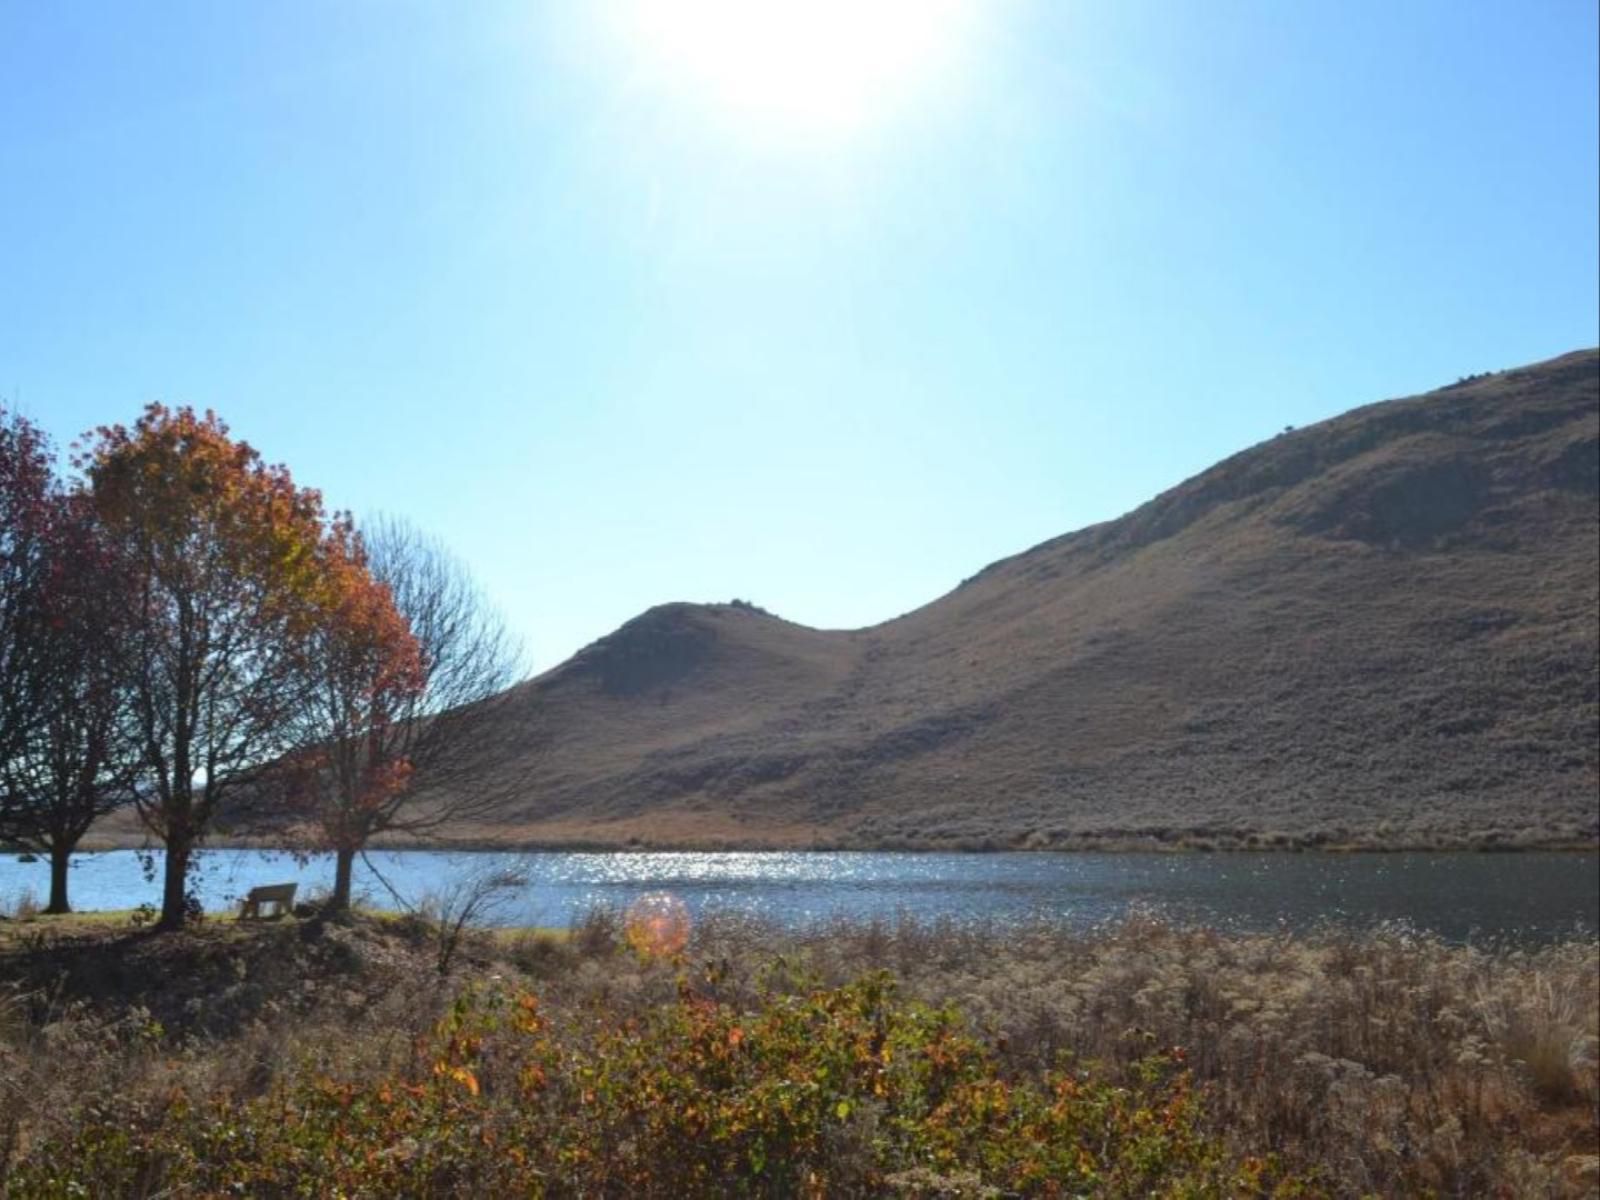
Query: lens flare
(657, 925)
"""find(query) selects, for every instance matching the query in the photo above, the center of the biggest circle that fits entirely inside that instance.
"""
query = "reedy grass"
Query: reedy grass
(1380, 1062)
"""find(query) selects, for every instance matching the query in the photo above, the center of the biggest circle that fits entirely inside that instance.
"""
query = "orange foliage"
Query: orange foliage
(223, 551)
(198, 505)
(367, 666)
(253, 592)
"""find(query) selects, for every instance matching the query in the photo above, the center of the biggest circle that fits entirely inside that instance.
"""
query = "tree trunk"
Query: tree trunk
(59, 856)
(175, 887)
(343, 861)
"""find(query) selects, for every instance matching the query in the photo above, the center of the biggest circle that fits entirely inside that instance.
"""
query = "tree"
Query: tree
(77, 761)
(26, 486)
(365, 669)
(410, 733)
(223, 551)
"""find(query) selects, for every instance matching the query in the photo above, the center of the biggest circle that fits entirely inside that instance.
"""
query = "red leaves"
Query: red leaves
(360, 624)
(204, 518)
(383, 780)
(28, 510)
(365, 666)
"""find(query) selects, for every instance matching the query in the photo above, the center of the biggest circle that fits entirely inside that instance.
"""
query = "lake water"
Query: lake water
(1530, 897)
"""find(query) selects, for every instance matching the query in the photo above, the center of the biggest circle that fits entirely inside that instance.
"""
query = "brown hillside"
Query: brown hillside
(1380, 629)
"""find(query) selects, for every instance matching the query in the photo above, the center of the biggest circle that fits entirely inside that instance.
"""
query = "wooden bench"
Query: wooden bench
(279, 895)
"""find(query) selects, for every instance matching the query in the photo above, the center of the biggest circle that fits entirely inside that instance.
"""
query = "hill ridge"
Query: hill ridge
(1378, 629)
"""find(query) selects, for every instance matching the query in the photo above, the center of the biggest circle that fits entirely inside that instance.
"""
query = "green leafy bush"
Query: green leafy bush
(842, 1091)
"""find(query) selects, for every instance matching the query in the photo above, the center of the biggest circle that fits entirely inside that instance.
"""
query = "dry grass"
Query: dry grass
(1393, 1062)
(20, 906)
(1385, 1062)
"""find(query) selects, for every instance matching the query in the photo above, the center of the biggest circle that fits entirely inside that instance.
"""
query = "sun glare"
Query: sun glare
(815, 68)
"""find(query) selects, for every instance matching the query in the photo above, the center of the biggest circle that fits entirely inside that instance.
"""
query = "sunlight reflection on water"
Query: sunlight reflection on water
(1532, 896)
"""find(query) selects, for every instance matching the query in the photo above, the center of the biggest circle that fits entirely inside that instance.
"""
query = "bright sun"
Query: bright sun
(809, 68)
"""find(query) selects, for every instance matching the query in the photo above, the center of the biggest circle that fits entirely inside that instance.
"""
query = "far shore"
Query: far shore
(1112, 844)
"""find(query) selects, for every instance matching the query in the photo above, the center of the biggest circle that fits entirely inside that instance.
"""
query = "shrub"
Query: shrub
(843, 1091)
(1373, 1063)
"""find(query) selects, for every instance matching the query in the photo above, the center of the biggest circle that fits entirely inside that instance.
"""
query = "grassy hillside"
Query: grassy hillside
(1380, 629)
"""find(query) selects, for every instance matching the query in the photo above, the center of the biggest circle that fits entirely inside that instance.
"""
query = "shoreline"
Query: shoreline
(1248, 845)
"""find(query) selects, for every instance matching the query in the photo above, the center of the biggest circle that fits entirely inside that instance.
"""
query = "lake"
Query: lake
(1531, 897)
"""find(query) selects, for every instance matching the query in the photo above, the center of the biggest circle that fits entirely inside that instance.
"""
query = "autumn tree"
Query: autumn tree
(413, 716)
(224, 552)
(26, 481)
(364, 670)
(77, 760)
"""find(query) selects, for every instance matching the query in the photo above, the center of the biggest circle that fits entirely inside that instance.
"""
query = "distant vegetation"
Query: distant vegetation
(904, 1058)
(182, 628)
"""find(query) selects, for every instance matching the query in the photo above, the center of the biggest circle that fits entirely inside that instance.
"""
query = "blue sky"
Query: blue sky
(631, 306)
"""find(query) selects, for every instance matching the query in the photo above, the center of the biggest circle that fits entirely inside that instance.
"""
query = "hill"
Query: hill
(1381, 629)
